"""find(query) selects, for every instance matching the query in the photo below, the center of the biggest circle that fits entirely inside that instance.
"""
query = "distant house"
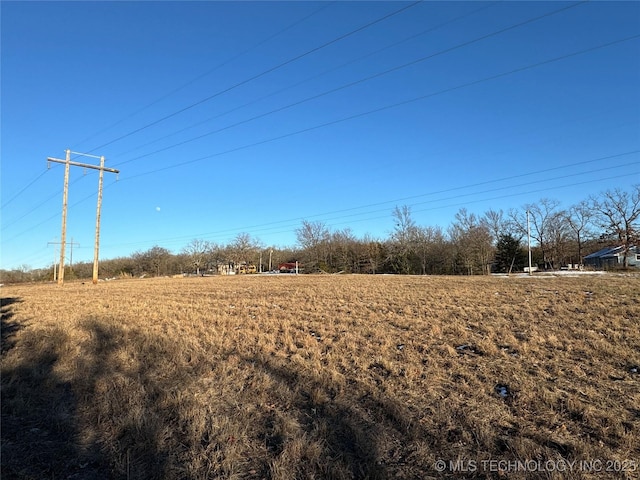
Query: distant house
(226, 268)
(613, 257)
(289, 267)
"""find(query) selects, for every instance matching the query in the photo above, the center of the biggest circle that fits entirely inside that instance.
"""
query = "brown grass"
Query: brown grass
(339, 377)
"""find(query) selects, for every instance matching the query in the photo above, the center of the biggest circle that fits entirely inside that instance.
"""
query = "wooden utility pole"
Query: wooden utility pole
(96, 247)
(102, 169)
(72, 243)
(63, 235)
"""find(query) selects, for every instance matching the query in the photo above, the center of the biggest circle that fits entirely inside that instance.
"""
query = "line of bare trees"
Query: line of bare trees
(472, 244)
(478, 244)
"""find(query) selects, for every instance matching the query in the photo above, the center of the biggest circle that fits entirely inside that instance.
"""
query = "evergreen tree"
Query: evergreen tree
(508, 251)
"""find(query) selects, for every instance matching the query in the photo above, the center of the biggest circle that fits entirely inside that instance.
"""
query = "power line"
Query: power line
(350, 216)
(33, 209)
(55, 215)
(471, 201)
(362, 114)
(544, 180)
(287, 229)
(386, 107)
(443, 191)
(316, 11)
(313, 77)
(44, 202)
(209, 72)
(35, 256)
(349, 84)
(24, 189)
(351, 221)
(500, 197)
(362, 80)
(265, 72)
(427, 194)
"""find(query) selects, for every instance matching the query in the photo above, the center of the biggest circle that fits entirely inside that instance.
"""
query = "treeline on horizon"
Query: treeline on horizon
(472, 245)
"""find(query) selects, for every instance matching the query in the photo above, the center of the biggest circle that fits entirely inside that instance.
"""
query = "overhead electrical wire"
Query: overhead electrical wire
(520, 69)
(438, 192)
(208, 72)
(519, 24)
(55, 215)
(262, 74)
(335, 40)
(357, 82)
(24, 189)
(362, 80)
(482, 200)
(370, 111)
(487, 182)
(36, 207)
(377, 110)
(385, 107)
(29, 212)
(386, 202)
(287, 229)
(301, 82)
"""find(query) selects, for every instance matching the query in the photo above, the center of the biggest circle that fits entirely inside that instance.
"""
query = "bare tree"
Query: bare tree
(402, 239)
(404, 224)
(498, 225)
(542, 216)
(244, 248)
(373, 254)
(558, 238)
(618, 212)
(314, 237)
(473, 241)
(344, 251)
(428, 242)
(153, 261)
(196, 250)
(579, 219)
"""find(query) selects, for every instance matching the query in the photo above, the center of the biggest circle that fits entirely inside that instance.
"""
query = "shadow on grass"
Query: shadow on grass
(93, 403)
(48, 419)
(39, 409)
(365, 434)
(133, 442)
(8, 327)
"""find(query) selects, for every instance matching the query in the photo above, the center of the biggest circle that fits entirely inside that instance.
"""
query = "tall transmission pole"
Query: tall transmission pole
(67, 162)
(63, 236)
(96, 247)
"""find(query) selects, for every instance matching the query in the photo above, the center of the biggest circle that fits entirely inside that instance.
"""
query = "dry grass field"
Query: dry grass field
(314, 377)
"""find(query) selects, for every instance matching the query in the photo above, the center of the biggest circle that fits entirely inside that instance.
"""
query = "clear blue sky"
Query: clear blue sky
(230, 117)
